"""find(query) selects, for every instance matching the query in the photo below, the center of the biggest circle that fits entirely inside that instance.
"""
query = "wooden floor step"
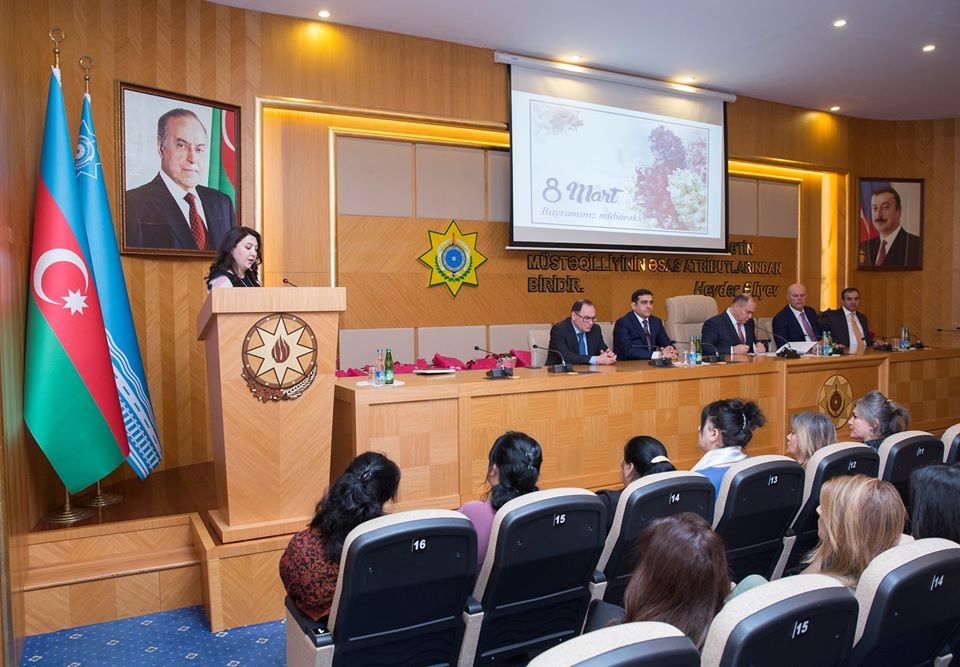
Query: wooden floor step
(63, 574)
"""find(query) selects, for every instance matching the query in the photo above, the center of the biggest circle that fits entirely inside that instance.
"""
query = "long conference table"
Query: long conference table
(439, 428)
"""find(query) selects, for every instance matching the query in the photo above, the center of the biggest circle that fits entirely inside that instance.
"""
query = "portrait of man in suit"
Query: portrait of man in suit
(175, 210)
(885, 242)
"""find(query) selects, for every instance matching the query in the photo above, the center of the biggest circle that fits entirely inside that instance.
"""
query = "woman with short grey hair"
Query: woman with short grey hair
(875, 417)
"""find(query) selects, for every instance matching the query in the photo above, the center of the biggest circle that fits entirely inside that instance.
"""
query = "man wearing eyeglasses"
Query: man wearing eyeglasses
(640, 334)
(578, 338)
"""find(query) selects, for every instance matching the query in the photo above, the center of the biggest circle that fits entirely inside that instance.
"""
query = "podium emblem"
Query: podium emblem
(279, 357)
(835, 399)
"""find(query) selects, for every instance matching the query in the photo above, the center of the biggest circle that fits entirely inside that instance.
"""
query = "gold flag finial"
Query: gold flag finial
(56, 36)
(86, 64)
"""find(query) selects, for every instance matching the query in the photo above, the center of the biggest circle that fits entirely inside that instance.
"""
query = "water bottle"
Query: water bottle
(826, 345)
(388, 363)
(380, 376)
(698, 348)
(904, 337)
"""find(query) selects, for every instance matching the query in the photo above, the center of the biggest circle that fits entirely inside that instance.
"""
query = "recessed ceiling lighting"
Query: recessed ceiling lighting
(839, 23)
(929, 47)
(834, 108)
(324, 14)
(575, 58)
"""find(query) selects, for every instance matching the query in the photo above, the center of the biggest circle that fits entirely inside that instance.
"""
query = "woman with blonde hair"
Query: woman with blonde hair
(811, 431)
(860, 517)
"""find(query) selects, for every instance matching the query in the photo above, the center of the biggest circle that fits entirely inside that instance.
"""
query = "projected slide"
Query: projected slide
(597, 167)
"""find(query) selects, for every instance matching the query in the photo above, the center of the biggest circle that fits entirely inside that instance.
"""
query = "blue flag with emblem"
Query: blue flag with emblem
(138, 419)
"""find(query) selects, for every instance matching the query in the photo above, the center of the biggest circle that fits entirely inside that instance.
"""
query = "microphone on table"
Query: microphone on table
(712, 358)
(562, 367)
(500, 372)
(287, 282)
(787, 352)
(661, 361)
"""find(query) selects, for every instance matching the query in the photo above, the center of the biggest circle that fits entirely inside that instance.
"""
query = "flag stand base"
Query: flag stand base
(67, 514)
(99, 499)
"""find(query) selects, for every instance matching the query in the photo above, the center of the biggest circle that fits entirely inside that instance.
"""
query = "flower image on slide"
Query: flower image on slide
(673, 190)
(551, 120)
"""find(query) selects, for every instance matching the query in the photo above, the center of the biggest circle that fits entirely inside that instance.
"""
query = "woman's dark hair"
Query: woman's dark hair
(224, 258)
(518, 458)
(356, 496)
(641, 450)
(884, 416)
(734, 418)
(935, 502)
(681, 576)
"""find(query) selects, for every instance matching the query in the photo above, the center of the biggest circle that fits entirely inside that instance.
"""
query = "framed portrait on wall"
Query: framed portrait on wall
(179, 172)
(891, 224)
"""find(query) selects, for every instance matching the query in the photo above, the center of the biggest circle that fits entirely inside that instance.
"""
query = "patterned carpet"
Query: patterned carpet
(177, 637)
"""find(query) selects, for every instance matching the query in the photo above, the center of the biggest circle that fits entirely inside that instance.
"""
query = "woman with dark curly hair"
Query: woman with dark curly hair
(513, 470)
(725, 429)
(311, 562)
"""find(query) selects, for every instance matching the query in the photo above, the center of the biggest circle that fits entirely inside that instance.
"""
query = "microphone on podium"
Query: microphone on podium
(287, 282)
(562, 367)
(717, 356)
(500, 372)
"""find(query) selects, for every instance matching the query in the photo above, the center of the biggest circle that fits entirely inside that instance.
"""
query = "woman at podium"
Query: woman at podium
(237, 260)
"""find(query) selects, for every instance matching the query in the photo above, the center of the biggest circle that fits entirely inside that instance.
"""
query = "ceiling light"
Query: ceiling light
(324, 14)
(834, 108)
(575, 58)
(929, 47)
(839, 23)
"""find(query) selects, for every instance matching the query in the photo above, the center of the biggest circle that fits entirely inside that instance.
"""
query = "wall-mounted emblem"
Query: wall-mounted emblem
(279, 357)
(453, 258)
(836, 399)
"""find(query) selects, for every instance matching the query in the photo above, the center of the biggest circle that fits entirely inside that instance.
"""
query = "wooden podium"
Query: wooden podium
(271, 357)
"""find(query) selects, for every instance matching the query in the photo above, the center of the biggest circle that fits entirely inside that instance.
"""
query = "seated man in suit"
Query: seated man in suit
(797, 321)
(847, 325)
(173, 211)
(893, 245)
(733, 330)
(578, 339)
(640, 334)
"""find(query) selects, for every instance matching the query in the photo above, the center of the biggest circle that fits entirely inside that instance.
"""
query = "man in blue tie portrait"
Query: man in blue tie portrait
(640, 334)
(578, 339)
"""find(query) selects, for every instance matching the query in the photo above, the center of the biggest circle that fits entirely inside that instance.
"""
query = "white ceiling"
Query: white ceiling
(781, 50)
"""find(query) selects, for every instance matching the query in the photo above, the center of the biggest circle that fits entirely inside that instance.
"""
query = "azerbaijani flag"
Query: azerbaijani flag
(867, 230)
(70, 401)
(223, 154)
(138, 419)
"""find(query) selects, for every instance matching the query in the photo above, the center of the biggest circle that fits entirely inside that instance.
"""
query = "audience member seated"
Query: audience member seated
(811, 431)
(860, 517)
(725, 429)
(513, 470)
(935, 502)
(681, 577)
(642, 455)
(875, 417)
(311, 562)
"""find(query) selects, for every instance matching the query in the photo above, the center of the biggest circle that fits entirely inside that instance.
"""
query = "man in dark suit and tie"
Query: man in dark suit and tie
(173, 211)
(578, 339)
(894, 245)
(847, 325)
(733, 330)
(797, 321)
(640, 334)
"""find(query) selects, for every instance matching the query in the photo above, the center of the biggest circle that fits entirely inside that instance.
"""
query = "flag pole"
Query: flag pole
(67, 513)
